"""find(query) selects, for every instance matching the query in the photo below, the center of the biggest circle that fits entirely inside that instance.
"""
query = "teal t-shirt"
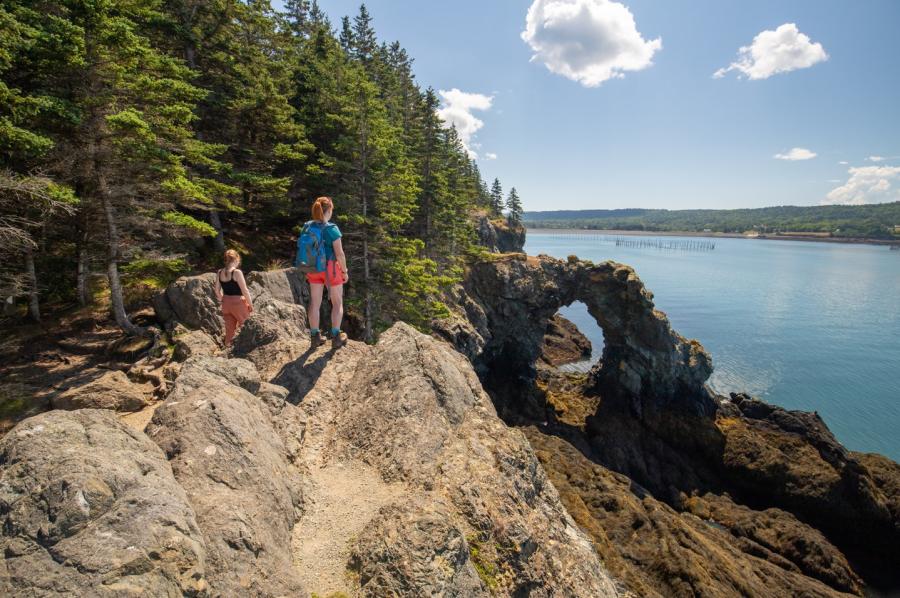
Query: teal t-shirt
(331, 234)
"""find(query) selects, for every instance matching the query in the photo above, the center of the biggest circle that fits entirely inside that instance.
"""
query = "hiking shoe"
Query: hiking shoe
(339, 341)
(316, 340)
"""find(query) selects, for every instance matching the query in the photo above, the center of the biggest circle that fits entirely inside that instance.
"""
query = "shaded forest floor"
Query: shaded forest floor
(71, 347)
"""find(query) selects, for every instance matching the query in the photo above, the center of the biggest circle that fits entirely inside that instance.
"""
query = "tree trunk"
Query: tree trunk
(367, 308)
(112, 256)
(216, 221)
(81, 280)
(34, 305)
(81, 287)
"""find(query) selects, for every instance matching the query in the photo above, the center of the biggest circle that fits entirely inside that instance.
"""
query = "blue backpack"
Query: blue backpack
(311, 247)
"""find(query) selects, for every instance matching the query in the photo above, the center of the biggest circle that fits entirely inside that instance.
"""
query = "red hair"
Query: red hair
(320, 206)
(232, 256)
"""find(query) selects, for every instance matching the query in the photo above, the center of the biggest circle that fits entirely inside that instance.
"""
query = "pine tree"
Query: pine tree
(232, 48)
(28, 114)
(161, 114)
(364, 41)
(297, 13)
(497, 197)
(514, 208)
(126, 153)
(346, 37)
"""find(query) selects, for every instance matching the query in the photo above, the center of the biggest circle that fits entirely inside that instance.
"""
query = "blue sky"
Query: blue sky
(665, 133)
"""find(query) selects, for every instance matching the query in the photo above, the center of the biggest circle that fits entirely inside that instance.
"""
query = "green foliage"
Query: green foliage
(164, 121)
(514, 208)
(189, 222)
(143, 277)
(156, 273)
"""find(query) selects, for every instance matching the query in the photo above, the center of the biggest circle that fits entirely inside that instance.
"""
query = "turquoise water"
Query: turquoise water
(805, 325)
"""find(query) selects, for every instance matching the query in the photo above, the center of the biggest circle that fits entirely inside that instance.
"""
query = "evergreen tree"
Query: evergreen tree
(232, 48)
(514, 208)
(160, 115)
(497, 197)
(364, 42)
(297, 13)
(126, 151)
(346, 37)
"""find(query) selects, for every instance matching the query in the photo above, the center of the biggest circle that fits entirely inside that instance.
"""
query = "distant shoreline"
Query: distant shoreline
(712, 235)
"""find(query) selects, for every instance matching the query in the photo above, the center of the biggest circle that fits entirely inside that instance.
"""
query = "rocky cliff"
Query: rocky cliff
(385, 470)
(497, 235)
(371, 470)
(683, 492)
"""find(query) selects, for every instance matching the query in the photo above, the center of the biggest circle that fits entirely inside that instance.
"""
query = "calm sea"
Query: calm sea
(805, 325)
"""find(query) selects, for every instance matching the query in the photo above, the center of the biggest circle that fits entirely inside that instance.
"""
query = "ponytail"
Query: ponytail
(320, 206)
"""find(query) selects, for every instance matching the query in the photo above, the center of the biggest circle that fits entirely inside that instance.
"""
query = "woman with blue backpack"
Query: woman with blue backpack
(321, 256)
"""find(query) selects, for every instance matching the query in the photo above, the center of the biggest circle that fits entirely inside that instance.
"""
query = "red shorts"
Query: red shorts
(335, 275)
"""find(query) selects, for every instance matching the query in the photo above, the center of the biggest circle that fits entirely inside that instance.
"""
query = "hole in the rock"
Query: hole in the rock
(577, 314)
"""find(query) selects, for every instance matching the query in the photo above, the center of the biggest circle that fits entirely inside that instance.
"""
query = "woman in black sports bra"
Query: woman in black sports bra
(231, 289)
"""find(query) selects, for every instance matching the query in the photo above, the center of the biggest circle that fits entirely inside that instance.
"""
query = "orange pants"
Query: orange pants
(235, 312)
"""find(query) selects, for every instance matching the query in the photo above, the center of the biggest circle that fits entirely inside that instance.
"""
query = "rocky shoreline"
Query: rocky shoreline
(461, 463)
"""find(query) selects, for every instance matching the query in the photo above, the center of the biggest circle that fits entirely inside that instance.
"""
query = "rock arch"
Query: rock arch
(646, 365)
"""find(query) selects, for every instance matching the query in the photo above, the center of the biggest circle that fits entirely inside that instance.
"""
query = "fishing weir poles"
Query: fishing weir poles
(679, 244)
(641, 243)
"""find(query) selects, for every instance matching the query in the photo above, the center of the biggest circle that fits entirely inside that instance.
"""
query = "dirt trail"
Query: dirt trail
(343, 498)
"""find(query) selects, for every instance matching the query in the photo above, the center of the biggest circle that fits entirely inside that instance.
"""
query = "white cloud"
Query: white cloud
(843, 162)
(796, 153)
(457, 110)
(876, 158)
(867, 184)
(588, 41)
(773, 52)
(490, 156)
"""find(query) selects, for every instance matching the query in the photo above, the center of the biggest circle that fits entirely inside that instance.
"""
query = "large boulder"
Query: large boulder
(113, 390)
(190, 343)
(273, 335)
(89, 507)
(197, 372)
(474, 495)
(191, 300)
(286, 285)
(396, 554)
(236, 471)
(564, 343)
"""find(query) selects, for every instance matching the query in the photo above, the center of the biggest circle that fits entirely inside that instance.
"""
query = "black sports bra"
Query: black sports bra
(229, 287)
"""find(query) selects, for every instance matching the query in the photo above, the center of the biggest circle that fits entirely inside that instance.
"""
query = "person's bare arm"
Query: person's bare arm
(218, 288)
(239, 277)
(341, 258)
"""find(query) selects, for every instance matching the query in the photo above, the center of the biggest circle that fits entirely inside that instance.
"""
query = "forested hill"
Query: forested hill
(139, 138)
(868, 221)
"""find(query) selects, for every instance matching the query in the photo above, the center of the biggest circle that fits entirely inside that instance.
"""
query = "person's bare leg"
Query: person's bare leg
(315, 305)
(336, 294)
(338, 338)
